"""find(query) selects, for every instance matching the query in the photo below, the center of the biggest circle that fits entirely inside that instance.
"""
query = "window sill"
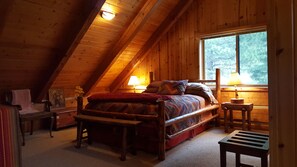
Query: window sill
(245, 89)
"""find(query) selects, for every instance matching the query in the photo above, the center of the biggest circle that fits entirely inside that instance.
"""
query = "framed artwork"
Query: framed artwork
(56, 97)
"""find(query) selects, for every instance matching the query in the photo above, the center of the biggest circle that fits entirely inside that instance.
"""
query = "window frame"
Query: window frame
(231, 32)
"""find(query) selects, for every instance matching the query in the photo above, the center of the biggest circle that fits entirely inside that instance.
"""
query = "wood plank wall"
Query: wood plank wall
(176, 55)
(282, 91)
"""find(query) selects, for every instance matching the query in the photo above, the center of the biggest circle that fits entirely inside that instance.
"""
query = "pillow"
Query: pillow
(153, 87)
(151, 90)
(170, 87)
(193, 86)
(200, 90)
(155, 84)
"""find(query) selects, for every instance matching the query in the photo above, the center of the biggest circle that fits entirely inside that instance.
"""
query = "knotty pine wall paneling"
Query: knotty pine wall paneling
(282, 94)
(203, 17)
(178, 51)
(164, 60)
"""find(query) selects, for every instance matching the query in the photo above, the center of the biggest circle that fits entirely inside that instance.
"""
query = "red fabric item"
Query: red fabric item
(9, 143)
(184, 136)
(127, 97)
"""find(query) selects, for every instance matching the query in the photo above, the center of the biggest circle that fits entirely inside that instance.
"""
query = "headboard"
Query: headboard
(216, 81)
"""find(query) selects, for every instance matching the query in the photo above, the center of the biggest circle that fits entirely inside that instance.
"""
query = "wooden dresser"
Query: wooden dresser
(64, 117)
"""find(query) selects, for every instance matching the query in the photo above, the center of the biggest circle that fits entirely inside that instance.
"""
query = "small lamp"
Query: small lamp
(133, 81)
(235, 80)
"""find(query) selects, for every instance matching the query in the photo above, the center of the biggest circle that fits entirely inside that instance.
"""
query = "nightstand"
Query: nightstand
(245, 109)
(64, 117)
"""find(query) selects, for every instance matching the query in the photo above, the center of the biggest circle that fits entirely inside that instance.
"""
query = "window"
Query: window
(245, 53)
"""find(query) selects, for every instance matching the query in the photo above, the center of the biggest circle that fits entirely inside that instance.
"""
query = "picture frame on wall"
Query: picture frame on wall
(56, 97)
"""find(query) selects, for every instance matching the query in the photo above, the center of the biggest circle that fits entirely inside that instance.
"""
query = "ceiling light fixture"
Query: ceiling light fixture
(107, 15)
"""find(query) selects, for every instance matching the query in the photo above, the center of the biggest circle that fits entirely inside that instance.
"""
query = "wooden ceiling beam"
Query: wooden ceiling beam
(134, 27)
(71, 44)
(165, 26)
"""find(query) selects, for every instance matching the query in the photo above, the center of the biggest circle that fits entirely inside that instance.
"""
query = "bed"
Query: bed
(171, 112)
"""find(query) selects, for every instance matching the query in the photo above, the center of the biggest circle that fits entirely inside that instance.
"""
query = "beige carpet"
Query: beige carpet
(201, 151)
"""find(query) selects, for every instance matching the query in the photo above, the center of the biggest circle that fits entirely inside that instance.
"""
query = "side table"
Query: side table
(244, 108)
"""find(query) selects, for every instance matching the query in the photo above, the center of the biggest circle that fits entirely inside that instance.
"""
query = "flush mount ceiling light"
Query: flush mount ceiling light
(107, 15)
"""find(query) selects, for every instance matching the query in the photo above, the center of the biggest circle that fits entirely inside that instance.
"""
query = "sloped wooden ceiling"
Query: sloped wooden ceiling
(109, 46)
(64, 43)
(102, 45)
(35, 36)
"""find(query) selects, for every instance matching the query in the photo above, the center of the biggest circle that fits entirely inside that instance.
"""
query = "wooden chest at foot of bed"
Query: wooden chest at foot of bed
(64, 117)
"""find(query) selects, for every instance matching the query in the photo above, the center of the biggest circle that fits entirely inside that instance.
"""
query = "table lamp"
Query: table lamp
(235, 80)
(133, 81)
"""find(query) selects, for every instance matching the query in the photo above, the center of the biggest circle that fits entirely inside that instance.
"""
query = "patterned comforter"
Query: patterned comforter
(175, 105)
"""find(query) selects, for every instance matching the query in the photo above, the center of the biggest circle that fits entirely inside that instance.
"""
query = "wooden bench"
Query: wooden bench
(84, 120)
(245, 142)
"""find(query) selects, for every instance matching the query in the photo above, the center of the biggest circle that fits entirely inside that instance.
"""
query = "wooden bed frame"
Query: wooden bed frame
(160, 118)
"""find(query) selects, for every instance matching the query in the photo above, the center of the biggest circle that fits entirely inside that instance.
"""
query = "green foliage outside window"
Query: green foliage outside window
(220, 52)
(253, 58)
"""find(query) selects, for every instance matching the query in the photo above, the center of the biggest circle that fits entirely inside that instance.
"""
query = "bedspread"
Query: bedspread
(175, 105)
(180, 105)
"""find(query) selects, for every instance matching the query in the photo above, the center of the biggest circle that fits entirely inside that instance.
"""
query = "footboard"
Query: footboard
(162, 123)
(159, 119)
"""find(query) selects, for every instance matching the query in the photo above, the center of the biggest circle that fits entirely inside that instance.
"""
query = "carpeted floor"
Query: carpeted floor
(201, 151)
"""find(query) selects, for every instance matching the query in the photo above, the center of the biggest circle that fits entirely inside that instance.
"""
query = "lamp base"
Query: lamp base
(237, 100)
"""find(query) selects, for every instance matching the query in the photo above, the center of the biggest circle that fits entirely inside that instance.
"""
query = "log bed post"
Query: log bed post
(161, 123)
(218, 95)
(152, 77)
(218, 85)
(79, 129)
(79, 101)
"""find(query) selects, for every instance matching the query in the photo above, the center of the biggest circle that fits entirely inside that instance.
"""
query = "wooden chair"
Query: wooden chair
(29, 112)
(10, 145)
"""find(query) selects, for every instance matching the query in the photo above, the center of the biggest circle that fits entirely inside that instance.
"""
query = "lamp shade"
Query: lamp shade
(234, 79)
(133, 81)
